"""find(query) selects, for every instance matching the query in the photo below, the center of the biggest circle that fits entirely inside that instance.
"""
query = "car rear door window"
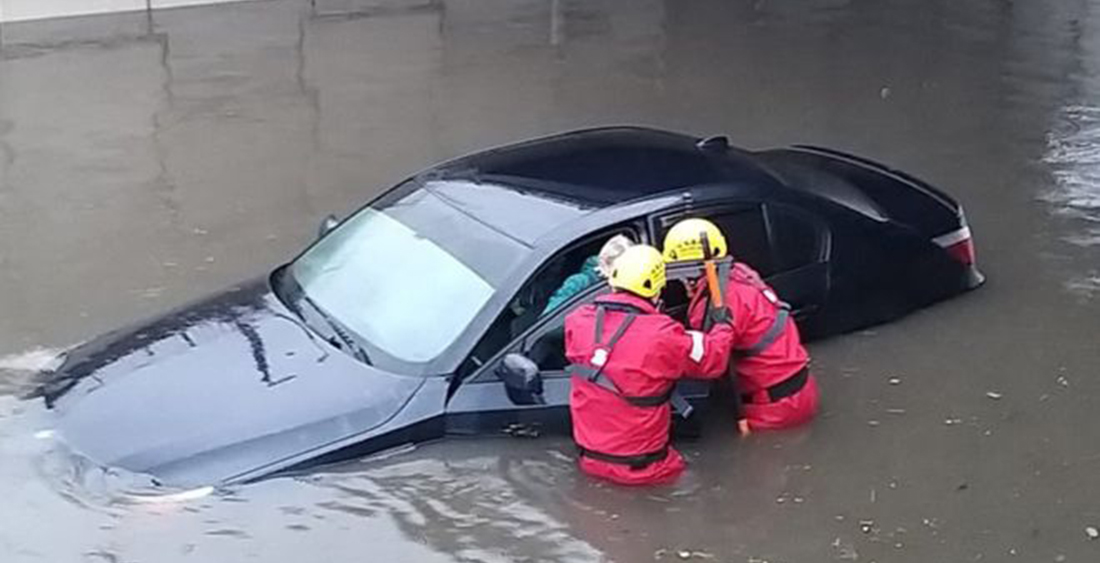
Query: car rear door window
(798, 239)
(745, 229)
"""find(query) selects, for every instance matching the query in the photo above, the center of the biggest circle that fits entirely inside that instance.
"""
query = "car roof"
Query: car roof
(527, 189)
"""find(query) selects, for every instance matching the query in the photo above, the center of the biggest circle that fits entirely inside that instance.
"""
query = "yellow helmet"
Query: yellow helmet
(684, 241)
(640, 270)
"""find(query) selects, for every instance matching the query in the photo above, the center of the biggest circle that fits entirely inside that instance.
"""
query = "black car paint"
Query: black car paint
(238, 386)
(229, 388)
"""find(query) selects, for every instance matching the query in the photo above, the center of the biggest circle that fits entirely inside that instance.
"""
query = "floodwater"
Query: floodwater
(148, 160)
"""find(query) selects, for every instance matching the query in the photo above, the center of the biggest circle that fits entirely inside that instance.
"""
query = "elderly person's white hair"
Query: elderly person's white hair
(612, 249)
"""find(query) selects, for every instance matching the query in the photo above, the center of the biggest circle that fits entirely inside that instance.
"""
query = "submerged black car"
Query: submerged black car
(394, 327)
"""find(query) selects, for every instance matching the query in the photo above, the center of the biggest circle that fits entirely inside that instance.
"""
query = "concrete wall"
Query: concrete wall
(21, 10)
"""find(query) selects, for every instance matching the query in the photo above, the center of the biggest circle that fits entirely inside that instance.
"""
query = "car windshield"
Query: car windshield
(407, 277)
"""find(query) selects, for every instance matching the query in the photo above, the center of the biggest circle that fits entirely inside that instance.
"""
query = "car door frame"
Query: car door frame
(481, 405)
(805, 286)
(811, 279)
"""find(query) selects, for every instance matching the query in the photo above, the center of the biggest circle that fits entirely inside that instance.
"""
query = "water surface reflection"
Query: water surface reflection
(147, 162)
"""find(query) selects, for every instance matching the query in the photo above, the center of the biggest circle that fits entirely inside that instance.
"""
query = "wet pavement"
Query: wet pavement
(146, 161)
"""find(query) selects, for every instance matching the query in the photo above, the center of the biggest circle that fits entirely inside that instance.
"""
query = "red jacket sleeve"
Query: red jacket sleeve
(690, 353)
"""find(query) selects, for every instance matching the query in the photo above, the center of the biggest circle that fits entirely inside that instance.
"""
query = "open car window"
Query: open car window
(551, 292)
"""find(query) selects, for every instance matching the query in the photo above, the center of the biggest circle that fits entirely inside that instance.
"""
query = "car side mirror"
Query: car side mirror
(327, 225)
(521, 379)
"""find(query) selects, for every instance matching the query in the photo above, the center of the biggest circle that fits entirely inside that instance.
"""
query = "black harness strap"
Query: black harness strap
(621, 307)
(615, 336)
(771, 335)
(785, 388)
(595, 374)
(636, 462)
(651, 400)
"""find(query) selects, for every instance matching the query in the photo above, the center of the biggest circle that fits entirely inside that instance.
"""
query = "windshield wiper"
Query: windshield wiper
(338, 329)
(292, 294)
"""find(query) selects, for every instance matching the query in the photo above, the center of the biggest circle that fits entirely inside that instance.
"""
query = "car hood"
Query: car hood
(227, 388)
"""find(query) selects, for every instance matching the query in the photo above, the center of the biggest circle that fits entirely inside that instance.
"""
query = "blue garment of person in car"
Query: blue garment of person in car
(588, 275)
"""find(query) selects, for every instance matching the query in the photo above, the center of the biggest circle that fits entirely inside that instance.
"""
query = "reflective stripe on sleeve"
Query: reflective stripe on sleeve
(697, 349)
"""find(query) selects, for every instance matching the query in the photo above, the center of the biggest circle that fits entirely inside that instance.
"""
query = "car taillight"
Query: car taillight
(959, 245)
(963, 251)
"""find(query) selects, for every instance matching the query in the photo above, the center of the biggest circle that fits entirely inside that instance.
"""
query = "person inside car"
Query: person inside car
(594, 269)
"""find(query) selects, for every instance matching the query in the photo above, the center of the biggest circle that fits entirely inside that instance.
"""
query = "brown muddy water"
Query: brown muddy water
(146, 161)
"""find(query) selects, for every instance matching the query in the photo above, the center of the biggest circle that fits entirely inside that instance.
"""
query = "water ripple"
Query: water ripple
(460, 506)
(1074, 155)
(17, 371)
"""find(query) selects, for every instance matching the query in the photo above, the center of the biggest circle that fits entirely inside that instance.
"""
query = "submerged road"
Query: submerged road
(146, 161)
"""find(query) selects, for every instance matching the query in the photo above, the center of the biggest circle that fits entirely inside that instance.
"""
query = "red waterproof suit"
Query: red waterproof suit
(621, 385)
(773, 378)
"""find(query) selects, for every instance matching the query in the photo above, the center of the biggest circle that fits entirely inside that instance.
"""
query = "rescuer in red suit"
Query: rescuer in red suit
(770, 364)
(626, 357)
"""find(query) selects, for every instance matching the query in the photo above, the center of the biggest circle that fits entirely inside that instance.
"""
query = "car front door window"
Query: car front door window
(562, 282)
